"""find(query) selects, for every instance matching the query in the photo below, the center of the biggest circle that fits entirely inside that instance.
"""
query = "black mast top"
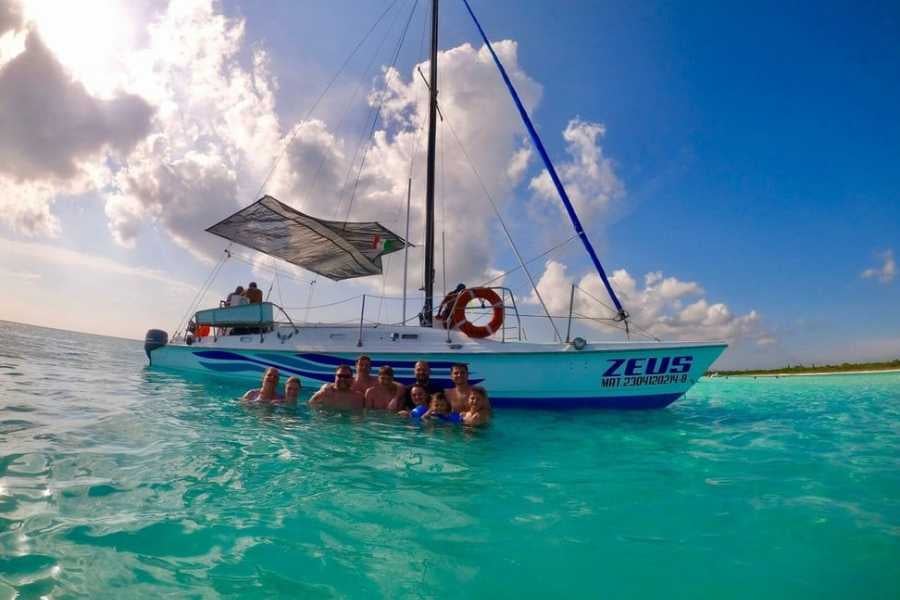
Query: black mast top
(426, 316)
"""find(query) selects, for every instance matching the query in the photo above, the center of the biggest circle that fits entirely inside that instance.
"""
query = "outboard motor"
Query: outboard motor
(155, 338)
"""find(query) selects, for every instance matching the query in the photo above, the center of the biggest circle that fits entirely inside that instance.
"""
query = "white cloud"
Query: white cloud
(658, 307)
(884, 273)
(589, 177)
(56, 256)
(54, 136)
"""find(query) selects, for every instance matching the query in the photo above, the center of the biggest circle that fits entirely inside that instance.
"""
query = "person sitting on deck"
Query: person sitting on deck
(423, 378)
(363, 380)
(268, 392)
(253, 294)
(387, 394)
(459, 395)
(291, 390)
(236, 298)
(439, 410)
(479, 409)
(341, 395)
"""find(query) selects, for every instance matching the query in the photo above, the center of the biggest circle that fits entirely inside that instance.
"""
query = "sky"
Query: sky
(735, 165)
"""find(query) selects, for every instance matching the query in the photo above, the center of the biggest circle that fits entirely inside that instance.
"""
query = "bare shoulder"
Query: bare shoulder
(319, 396)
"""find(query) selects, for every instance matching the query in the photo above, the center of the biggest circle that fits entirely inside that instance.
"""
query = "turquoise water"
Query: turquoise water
(116, 481)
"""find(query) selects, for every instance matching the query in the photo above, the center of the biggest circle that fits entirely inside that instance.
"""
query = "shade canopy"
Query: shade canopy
(333, 249)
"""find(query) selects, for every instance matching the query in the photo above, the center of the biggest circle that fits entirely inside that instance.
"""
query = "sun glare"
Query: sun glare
(89, 37)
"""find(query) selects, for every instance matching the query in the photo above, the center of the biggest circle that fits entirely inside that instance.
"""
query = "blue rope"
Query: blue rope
(576, 223)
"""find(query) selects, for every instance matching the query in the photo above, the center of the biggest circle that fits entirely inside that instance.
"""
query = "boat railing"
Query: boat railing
(504, 293)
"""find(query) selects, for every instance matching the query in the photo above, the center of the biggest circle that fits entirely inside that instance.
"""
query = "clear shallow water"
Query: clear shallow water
(118, 481)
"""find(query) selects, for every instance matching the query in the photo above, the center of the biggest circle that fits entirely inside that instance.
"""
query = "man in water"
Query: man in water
(268, 392)
(387, 394)
(459, 394)
(340, 395)
(363, 380)
(423, 378)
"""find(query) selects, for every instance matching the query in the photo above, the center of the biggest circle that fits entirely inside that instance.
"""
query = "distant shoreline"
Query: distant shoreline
(808, 374)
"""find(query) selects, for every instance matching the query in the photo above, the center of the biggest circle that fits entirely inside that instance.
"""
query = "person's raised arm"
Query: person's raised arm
(318, 397)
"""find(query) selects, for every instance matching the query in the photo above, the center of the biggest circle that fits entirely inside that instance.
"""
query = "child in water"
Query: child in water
(440, 410)
(419, 397)
(479, 406)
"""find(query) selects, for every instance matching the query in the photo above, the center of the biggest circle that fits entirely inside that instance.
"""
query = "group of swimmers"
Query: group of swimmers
(423, 400)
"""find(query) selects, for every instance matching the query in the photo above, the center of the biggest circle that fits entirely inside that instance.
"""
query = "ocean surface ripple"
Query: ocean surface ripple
(118, 481)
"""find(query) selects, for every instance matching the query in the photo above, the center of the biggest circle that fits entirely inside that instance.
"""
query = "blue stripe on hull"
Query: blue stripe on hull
(643, 402)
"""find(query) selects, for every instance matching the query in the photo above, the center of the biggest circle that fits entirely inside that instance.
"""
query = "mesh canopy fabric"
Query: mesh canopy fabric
(333, 249)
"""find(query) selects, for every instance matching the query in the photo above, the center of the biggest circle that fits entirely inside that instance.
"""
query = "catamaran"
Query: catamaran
(239, 342)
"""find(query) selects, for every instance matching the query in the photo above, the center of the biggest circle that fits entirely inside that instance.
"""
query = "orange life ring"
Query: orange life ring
(458, 317)
(202, 330)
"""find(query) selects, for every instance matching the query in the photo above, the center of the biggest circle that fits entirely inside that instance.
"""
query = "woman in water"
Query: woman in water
(440, 410)
(267, 393)
(479, 408)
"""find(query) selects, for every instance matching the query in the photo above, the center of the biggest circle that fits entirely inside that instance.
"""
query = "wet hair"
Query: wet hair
(460, 366)
(363, 357)
(421, 387)
(293, 378)
(484, 395)
(341, 368)
(440, 397)
(386, 370)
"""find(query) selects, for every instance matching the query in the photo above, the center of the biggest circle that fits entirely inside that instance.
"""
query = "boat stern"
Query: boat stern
(155, 338)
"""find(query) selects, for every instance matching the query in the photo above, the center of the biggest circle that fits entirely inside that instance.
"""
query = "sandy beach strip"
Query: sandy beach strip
(868, 372)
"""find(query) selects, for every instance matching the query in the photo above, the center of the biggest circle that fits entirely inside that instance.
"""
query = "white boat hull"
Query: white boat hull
(619, 375)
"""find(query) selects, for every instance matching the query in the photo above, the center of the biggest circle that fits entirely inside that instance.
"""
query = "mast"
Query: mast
(426, 316)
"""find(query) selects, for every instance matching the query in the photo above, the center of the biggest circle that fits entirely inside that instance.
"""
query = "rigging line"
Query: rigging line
(529, 261)
(368, 115)
(325, 91)
(614, 323)
(345, 113)
(503, 226)
(598, 300)
(345, 300)
(202, 291)
(267, 268)
(561, 190)
(380, 106)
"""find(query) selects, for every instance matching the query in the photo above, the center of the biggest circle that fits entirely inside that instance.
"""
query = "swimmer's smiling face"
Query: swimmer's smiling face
(343, 378)
(459, 375)
(270, 380)
(292, 388)
(477, 401)
(423, 371)
(418, 395)
(363, 365)
(440, 405)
